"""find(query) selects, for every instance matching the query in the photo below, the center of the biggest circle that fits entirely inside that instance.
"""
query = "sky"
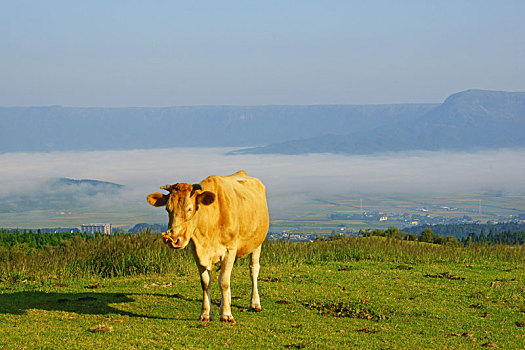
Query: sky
(176, 53)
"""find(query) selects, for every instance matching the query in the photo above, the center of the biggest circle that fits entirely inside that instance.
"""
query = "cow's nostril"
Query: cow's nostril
(177, 241)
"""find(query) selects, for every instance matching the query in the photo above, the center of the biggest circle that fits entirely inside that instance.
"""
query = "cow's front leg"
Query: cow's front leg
(206, 302)
(255, 303)
(224, 282)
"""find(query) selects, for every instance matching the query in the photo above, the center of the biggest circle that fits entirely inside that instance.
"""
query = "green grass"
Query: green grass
(352, 293)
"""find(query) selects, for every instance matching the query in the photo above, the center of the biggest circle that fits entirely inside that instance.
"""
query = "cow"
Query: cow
(222, 218)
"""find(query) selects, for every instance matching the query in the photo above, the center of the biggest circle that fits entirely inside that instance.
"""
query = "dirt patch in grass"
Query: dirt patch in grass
(295, 346)
(368, 330)
(466, 335)
(352, 310)
(159, 284)
(446, 275)
(269, 279)
(501, 281)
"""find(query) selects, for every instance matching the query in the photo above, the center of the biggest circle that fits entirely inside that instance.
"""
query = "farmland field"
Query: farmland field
(310, 213)
(357, 293)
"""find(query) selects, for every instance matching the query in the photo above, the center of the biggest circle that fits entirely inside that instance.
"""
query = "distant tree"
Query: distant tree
(482, 237)
(451, 240)
(490, 237)
(392, 232)
(378, 232)
(427, 235)
(411, 237)
(336, 236)
(437, 239)
(365, 233)
(473, 237)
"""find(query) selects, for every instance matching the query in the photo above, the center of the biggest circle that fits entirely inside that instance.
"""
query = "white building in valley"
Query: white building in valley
(94, 228)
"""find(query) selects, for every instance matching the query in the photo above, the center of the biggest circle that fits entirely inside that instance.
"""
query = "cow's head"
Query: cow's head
(182, 203)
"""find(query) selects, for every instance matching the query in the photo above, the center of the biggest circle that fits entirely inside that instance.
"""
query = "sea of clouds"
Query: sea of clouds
(286, 177)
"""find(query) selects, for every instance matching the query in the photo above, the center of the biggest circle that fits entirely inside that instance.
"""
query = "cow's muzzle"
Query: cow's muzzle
(173, 242)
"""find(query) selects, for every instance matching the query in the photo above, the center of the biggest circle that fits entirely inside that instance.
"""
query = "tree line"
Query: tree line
(38, 238)
(461, 231)
(429, 236)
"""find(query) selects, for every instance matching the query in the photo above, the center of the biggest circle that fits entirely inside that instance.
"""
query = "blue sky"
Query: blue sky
(172, 53)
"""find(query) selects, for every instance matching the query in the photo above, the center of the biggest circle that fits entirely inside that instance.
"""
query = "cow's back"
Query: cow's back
(240, 210)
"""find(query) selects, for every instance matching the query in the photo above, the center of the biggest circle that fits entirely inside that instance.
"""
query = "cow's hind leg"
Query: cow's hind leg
(224, 282)
(255, 303)
(206, 302)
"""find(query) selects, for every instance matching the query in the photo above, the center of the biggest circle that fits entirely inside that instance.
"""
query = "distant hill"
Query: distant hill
(43, 129)
(88, 187)
(158, 228)
(60, 194)
(469, 120)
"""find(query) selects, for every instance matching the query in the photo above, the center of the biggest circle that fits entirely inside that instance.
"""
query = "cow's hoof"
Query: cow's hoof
(228, 319)
(255, 308)
(205, 318)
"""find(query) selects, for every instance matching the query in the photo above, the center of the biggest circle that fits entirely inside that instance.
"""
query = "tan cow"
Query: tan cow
(222, 218)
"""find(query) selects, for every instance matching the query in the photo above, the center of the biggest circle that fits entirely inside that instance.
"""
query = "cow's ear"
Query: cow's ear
(206, 198)
(158, 199)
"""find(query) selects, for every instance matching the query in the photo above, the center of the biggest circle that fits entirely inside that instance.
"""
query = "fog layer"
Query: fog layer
(144, 171)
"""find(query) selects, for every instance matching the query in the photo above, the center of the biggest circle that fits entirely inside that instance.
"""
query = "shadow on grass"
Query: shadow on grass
(215, 303)
(81, 303)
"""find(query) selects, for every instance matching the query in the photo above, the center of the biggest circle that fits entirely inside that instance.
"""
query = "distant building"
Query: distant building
(94, 228)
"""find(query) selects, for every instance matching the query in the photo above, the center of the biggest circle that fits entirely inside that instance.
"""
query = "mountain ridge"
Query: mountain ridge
(465, 121)
(45, 129)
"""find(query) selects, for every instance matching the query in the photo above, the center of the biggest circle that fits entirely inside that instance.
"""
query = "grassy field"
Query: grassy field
(349, 293)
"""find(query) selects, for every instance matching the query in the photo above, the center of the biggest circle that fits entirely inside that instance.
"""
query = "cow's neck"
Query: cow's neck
(206, 246)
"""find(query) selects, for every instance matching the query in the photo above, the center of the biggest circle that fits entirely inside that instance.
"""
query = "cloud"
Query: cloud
(144, 170)
(287, 178)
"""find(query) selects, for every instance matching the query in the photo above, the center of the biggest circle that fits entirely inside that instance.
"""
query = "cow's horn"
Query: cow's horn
(167, 188)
